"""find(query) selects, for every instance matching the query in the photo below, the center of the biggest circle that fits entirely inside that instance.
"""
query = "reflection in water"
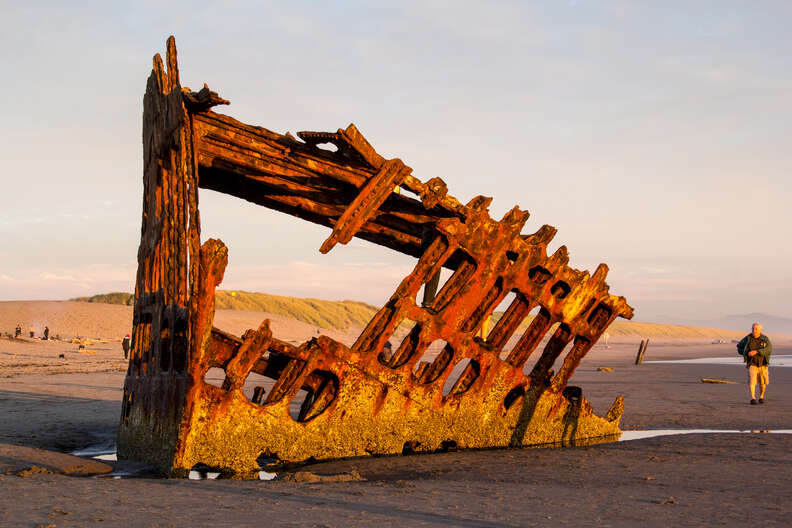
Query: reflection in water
(775, 361)
(652, 433)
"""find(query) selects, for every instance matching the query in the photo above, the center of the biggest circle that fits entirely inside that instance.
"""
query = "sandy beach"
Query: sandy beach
(62, 404)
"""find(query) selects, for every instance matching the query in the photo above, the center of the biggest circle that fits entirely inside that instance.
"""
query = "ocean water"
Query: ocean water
(654, 433)
(775, 361)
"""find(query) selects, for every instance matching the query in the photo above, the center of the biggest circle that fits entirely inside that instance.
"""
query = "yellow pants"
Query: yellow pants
(760, 373)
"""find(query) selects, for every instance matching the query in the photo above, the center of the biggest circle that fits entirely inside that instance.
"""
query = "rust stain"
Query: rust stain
(362, 399)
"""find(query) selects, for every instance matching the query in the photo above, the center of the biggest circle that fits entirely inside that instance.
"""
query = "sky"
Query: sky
(653, 135)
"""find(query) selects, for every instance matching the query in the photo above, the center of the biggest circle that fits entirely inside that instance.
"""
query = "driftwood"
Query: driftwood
(362, 399)
(718, 381)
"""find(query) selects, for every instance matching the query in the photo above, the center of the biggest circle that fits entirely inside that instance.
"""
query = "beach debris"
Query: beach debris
(310, 478)
(604, 369)
(33, 470)
(440, 387)
(718, 381)
(641, 351)
(669, 500)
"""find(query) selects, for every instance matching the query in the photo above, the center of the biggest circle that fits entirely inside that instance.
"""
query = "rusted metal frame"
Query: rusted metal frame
(387, 319)
(532, 337)
(403, 233)
(554, 347)
(352, 137)
(304, 156)
(371, 197)
(258, 189)
(536, 330)
(319, 213)
(414, 343)
(291, 374)
(215, 177)
(301, 374)
(297, 157)
(511, 319)
(430, 323)
(451, 324)
(227, 153)
(288, 166)
(269, 358)
(252, 184)
(503, 261)
(577, 281)
(248, 353)
(311, 186)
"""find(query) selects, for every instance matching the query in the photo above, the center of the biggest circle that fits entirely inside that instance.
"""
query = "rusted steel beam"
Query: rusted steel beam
(447, 382)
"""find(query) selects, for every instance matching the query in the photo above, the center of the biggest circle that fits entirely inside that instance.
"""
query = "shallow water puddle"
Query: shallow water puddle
(652, 433)
(775, 361)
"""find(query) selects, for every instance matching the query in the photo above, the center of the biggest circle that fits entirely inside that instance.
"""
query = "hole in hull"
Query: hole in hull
(215, 376)
(462, 377)
(434, 362)
(316, 395)
(256, 386)
(515, 394)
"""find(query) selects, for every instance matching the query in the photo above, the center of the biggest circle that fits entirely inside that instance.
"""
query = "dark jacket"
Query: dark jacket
(764, 350)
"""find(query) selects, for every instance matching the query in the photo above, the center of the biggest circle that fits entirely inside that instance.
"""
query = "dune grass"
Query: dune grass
(325, 314)
(341, 315)
(109, 298)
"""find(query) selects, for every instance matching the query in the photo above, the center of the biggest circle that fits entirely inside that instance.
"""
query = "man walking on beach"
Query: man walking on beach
(756, 349)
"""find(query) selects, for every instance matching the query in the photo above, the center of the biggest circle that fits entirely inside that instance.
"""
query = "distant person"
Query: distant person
(32, 331)
(607, 338)
(125, 345)
(17, 331)
(387, 351)
(756, 349)
(46, 333)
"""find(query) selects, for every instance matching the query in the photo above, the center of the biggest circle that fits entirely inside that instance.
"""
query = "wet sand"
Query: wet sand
(709, 479)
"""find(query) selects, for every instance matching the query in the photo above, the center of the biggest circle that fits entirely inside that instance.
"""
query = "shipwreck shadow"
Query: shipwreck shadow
(55, 422)
(527, 410)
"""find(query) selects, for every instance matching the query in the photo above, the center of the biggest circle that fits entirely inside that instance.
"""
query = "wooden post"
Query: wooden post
(643, 353)
(639, 356)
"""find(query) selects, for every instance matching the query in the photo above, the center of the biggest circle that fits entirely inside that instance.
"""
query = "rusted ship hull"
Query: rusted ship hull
(362, 399)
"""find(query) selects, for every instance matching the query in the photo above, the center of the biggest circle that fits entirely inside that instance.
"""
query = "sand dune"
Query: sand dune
(70, 319)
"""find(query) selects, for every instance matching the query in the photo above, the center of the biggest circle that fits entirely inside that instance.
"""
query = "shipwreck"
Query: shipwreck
(364, 399)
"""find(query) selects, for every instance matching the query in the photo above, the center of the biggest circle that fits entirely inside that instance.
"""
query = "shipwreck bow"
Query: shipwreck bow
(479, 390)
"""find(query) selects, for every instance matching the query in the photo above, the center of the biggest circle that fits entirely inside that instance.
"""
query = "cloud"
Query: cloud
(47, 276)
(63, 282)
